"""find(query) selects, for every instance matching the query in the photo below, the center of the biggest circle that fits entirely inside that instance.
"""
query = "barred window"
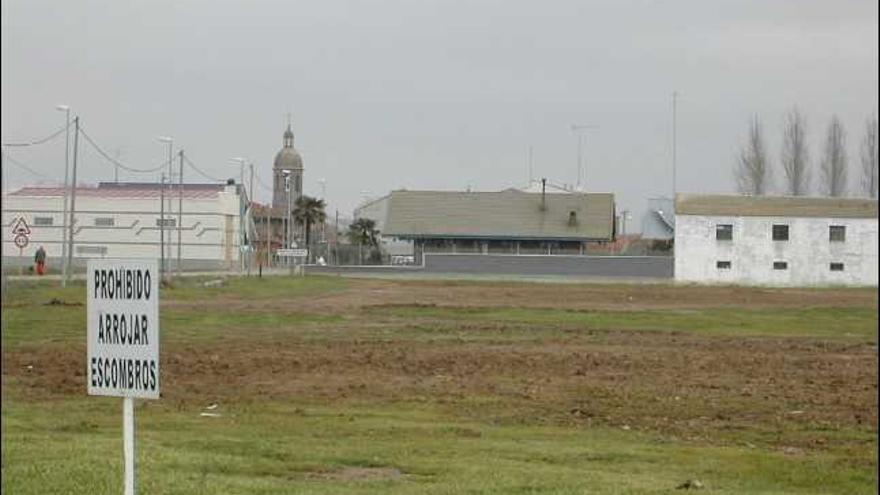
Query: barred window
(724, 232)
(780, 232)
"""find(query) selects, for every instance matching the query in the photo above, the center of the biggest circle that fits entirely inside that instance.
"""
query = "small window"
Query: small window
(724, 232)
(780, 232)
(167, 222)
(780, 265)
(43, 221)
(837, 233)
(105, 222)
(722, 265)
(836, 267)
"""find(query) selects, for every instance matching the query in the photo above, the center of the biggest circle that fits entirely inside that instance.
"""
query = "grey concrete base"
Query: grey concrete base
(12, 264)
(611, 267)
(578, 266)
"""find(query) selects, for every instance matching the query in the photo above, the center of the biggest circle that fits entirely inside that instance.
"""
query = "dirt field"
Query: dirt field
(523, 354)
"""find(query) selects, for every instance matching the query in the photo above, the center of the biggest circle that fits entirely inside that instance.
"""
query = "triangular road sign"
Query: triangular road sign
(21, 227)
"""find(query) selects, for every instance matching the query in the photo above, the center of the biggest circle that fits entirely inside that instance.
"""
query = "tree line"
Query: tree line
(754, 173)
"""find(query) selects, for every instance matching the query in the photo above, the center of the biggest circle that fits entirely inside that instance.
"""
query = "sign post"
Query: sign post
(293, 253)
(21, 236)
(123, 341)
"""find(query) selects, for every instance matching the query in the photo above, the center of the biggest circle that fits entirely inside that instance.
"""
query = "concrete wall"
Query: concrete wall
(752, 252)
(586, 266)
(210, 228)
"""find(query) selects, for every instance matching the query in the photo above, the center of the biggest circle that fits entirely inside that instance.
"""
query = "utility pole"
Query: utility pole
(578, 128)
(179, 213)
(530, 166)
(251, 193)
(336, 238)
(116, 168)
(252, 247)
(674, 130)
(69, 266)
(268, 237)
(289, 225)
(64, 195)
(162, 229)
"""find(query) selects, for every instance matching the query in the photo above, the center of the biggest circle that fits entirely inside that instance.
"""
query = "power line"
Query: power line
(25, 167)
(198, 171)
(38, 141)
(261, 183)
(117, 162)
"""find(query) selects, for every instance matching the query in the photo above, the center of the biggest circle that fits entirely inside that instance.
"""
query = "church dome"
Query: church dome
(288, 157)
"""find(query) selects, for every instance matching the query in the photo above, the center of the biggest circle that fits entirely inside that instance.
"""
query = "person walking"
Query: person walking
(40, 259)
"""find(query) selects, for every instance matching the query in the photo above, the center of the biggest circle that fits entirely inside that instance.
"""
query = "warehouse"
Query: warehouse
(129, 220)
(507, 222)
(786, 241)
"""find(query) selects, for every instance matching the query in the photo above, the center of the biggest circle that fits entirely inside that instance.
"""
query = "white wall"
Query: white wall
(210, 227)
(752, 251)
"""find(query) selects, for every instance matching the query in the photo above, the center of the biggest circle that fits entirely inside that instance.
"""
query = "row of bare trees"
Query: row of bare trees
(754, 174)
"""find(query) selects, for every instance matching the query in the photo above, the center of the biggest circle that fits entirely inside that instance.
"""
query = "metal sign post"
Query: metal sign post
(21, 236)
(292, 255)
(123, 341)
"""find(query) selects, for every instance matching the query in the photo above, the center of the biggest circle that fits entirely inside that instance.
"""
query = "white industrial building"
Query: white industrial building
(128, 220)
(781, 241)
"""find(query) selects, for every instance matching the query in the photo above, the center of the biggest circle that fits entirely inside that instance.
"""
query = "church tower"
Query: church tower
(287, 161)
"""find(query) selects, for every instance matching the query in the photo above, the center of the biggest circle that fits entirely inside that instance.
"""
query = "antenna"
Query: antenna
(578, 128)
(530, 165)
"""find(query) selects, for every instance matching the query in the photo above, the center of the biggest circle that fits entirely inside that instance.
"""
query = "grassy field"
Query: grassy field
(335, 385)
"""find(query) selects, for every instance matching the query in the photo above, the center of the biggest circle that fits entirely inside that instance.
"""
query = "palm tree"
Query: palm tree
(363, 231)
(309, 211)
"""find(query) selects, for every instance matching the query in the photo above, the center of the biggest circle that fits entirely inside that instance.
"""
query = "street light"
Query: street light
(241, 236)
(287, 233)
(66, 110)
(170, 142)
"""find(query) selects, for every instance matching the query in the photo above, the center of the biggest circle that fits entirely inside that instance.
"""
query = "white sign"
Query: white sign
(123, 328)
(294, 253)
(21, 228)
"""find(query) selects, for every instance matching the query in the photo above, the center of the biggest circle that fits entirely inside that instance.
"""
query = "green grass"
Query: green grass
(812, 322)
(74, 446)
(28, 318)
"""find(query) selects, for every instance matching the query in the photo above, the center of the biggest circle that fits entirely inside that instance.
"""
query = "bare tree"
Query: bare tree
(869, 159)
(834, 161)
(752, 170)
(795, 159)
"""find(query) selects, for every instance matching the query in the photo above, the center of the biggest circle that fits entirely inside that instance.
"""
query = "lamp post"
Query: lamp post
(241, 236)
(287, 230)
(674, 131)
(66, 110)
(170, 142)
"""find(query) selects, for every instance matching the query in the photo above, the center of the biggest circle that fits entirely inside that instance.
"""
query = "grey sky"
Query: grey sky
(436, 94)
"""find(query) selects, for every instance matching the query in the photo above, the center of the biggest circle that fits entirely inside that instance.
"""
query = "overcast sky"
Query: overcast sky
(435, 94)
